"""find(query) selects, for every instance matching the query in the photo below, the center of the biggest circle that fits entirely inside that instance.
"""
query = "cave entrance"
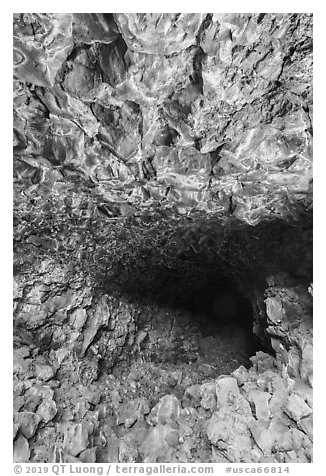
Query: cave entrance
(224, 321)
(197, 329)
(200, 323)
(221, 304)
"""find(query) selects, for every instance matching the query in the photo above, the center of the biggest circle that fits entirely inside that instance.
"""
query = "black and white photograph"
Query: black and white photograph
(162, 239)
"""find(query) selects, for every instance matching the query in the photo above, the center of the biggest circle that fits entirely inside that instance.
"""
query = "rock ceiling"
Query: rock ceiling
(119, 115)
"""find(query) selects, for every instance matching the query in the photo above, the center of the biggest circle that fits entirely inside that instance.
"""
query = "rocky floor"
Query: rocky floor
(199, 406)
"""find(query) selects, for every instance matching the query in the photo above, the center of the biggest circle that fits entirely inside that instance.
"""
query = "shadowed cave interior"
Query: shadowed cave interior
(218, 311)
(163, 238)
(212, 323)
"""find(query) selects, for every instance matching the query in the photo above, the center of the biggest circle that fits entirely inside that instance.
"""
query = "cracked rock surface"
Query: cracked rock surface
(163, 237)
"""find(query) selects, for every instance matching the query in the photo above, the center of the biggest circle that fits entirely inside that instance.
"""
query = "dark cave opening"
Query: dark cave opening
(219, 304)
(201, 304)
(208, 326)
(223, 314)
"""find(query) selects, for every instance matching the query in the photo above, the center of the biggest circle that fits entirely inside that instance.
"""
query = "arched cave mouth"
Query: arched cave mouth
(212, 328)
(220, 304)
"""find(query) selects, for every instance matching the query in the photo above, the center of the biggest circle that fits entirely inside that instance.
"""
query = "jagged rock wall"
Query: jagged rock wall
(152, 154)
(62, 288)
(219, 120)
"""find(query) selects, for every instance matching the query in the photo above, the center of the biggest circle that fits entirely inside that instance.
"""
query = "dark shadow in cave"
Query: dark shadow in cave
(222, 312)
(213, 313)
(219, 304)
(204, 282)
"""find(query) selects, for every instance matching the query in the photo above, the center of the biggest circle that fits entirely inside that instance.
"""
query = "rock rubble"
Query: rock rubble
(159, 159)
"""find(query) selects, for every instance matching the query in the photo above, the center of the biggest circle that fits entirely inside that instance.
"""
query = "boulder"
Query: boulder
(27, 422)
(296, 408)
(168, 409)
(208, 395)
(76, 438)
(47, 410)
(226, 388)
(21, 450)
(155, 447)
(260, 400)
(306, 425)
(44, 372)
(262, 435)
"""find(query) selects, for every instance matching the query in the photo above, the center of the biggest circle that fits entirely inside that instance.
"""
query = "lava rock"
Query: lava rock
(192, 396)
(156, 155)
(306, 425)
(172, 439)
(47, 410)
(208, 396)
(21, 450)
(28, 423)
(296, 407)
(260, 400)
(44, 372)
(76, 438)
(168, 409)
(225, 388)
(262, 435)
(88, 456)
(133, 411)
(155, 447)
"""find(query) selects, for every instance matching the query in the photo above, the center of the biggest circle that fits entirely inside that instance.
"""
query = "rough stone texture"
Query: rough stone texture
(21, 450)
(168, 409)
(185, 111)
(296, 408)
(47, 410)
(76, 438)
(155, 156)
(27, 423)
(289, 318)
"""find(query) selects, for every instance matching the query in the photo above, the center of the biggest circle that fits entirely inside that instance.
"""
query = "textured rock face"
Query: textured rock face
(158, 156)
(185, 111)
